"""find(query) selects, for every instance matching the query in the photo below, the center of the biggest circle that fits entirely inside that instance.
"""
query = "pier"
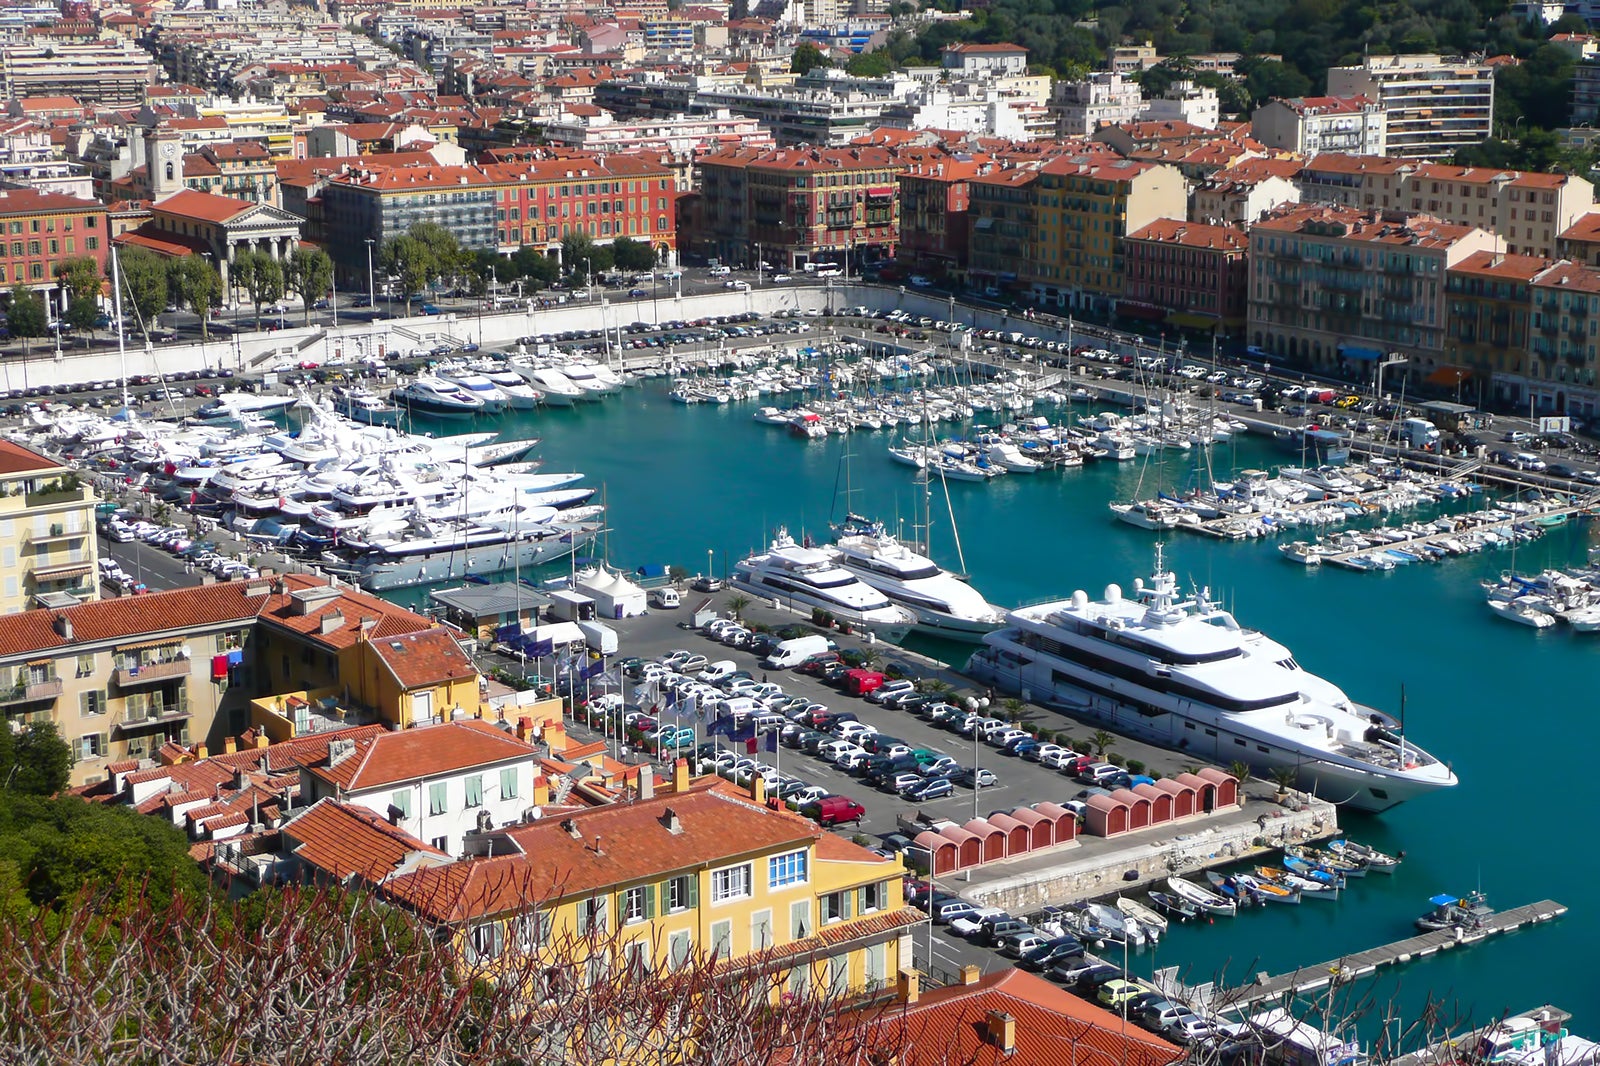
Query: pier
(1265, 990)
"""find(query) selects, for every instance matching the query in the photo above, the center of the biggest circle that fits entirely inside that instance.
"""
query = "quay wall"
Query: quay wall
(1208, 843)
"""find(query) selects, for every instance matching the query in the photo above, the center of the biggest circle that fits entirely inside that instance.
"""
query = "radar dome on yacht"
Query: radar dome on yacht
(1113, 593)
(1138, 584)
(1080, 598)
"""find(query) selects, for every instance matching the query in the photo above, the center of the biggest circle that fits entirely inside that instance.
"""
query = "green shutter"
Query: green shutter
(849, 897)
(694, 890)
(649, 901)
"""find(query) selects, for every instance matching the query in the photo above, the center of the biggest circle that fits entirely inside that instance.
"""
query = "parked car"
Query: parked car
(930, 788)
(974, 777)
(835, 810)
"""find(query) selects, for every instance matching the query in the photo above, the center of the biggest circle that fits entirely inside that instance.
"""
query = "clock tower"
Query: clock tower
(163, 153)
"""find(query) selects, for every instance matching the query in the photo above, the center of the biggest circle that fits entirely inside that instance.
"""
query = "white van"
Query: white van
(720, 271)
(664, 598)
(718, 670)
(793, 652)
(736, 707)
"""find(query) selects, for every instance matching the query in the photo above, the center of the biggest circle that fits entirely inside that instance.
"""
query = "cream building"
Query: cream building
(48, 555)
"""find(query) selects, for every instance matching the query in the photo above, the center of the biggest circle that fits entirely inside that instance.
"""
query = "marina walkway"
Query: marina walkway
(1363, 963)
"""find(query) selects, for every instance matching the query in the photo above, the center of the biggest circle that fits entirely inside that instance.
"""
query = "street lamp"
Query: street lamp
(372, 284)
(588, 289)
(977, 705)
(708, 562)
(1393, 359)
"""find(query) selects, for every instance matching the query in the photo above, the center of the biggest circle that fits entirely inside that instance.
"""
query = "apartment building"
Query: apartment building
(121, 678)
(1564, 342)
(985, 59)
(1187, 274)
(1245, 192)
(1333, 286)
(44, 229)
(111, 72)
(1360, 181)
(1432, 104)
(1528, 211)
(502, 206)
(680, 138)
(1489, 302)
(1072, 219)
(1580, 242)
(795, 206)
(48, 553)
(1103, 98)
(935, 191)
(701, 872)
(1309, 125)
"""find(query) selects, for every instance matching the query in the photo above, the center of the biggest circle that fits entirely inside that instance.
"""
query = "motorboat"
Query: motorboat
(1524, 610)
(1135, 911)
(1312, 871)
(1468, 913)
(1271, 891)
(1228, 886)
(1170, 669)
(1174, 906)
(1370, 858)
(494, 401)
(365, 406)
(1203, 898)
(233, 404)
(944, 605)
(1304, 552)
(558, 389)
(1149, 514)
(1009, 457)
(437, 396)
(797, 576)
(1305, 886)
(1335, 864)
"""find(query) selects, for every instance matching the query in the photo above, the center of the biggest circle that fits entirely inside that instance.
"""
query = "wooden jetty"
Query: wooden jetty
(1361, 964)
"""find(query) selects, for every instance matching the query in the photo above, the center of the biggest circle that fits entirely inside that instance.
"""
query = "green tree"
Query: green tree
(534, 265)
(35, 762)
(260, 276)
(80, 281)
(26, 317)
(307, 274)
(874, 64)
(411, 261)
(807, 57)
(1101, 741)
(450, 260)
(195, 282)
(144, 285)
(629, 254)
(579, 249)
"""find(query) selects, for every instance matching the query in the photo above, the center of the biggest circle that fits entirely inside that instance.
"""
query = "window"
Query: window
(678, 950)
(877, 966)
(475, 790)
(401, 801)
(639, 903)
(636, 958)
(799, 982)
(89, 746)
(730, 882)
(786, 870)
(838, 972)
(531, 929)
(508, 783)
(438, 798)
(92, 703)
(485, 941)
(760, 930)
(800, 925)
(442, 843)
(91, 243)
(683, 892)
(874, 897)
(722, 939)
(835, 906)
(592, 915)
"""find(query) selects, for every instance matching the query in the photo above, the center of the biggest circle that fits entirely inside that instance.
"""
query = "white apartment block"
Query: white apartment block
(1434, 104)
(1105, 98)
(1311, 125)
(1185, 101)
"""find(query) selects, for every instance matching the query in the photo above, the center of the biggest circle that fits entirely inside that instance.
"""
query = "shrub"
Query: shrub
(1135, 766)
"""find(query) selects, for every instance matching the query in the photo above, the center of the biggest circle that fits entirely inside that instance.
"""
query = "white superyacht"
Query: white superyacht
(799, 577)
(945, 605)
(1184, 674)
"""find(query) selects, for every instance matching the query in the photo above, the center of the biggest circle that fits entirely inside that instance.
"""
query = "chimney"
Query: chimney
(229, 745)
(969, 974)
(331, 621)
(647, 783)
(670, 822)
(64, 628)
(541, 791)
(908, 987)
(1000, 1031)
(262, 741)
(680, 776)
(200, 752)
(572, 829)
(758, 789)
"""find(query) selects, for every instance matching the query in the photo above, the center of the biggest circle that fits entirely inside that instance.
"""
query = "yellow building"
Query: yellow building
(48, 553)
(705, 872)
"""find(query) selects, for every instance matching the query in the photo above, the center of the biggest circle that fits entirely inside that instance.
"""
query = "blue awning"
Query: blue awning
(1444, 901)
(1351, 351)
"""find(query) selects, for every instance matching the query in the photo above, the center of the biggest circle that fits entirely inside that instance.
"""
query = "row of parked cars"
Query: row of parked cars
(122, 527)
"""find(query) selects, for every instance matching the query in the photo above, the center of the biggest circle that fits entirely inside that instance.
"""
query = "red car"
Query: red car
(861, 682)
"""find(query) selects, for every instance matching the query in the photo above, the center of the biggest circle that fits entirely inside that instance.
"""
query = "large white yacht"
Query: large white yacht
(798, 577)
(1184, 674)
(945, 605)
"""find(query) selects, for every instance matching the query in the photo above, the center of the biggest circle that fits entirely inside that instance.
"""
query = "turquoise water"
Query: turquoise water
(1512, 709)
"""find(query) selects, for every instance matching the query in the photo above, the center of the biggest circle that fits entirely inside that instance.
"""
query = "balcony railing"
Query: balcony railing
(130, 676)
(32, 691)
(158, 716)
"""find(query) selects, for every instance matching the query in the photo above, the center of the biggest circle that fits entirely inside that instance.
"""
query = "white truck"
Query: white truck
(793, 652)
(1419, 433)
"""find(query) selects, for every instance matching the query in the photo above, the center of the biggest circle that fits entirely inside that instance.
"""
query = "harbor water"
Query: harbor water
(1511, 708)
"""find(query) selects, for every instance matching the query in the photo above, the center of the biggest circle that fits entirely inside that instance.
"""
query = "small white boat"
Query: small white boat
(1207, 900)
(1522, 612)
(1145, 916)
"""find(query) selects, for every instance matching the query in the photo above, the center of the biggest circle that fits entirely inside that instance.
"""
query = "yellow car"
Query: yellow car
(1116, 992)
(1347, 402)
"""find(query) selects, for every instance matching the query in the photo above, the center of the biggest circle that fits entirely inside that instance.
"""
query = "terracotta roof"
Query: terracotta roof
(415, 754)
(426, 657)
(1327, 105)
(203, 206)
(986, 49)
(34, 202)
(1586, 228)
(176, 610)
(1498, 265)
(1416, 231)
(15, 459)
(948, 1025)
(612, 845)
(1490, 176)
(345, 840)
(1343, 163)
(352, 604)
(163, 241)
(1193, 235)
(1574, 277)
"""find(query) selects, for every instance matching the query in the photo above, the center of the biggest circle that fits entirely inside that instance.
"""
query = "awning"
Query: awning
(1193, 320)
(1367, 355)
(984, 223)
(1449, 376)
(140, 645)
(57, 573)
(881, 191)
(1145, 311)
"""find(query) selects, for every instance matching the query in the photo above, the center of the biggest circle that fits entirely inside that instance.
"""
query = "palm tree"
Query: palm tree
(1101, 741)
(933, 686)
(870, 657)
(1240, 771)
(737, 603)
(1284, 777)
(1014, 708)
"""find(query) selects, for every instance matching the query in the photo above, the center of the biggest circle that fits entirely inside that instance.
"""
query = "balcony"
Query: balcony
(144, 719)
(32, 692)
(134, 676)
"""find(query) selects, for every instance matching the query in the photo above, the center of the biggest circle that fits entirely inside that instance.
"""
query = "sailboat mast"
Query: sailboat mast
(116, 306)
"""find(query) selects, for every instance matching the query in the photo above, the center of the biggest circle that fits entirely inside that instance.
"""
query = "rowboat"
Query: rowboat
(1371, 858)
(1132, 908)
(1229, 887)
(1270, 891)
(1312, 871)
(1305, 886)
(1347, 865)
(1205, 899)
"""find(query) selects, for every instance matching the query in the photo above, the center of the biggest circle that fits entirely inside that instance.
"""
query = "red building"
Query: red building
(1188, 274)
(934, 196)
(45, 229)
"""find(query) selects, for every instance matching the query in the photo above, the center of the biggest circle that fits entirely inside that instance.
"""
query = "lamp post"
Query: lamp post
(708, 562)
(372, 283)
(1392, 359)
(977, 705)
(588, 290)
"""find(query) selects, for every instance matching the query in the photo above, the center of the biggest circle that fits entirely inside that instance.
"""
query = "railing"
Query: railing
(32, 691)
(163, 713)
(128, 676)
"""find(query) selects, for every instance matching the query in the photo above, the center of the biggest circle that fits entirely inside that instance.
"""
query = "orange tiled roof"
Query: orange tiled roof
(426, 657)
(1573, 277)
(1193, 235)
(1499, 265)
(1586, 228)
(382, 760)
(203, 206)
(15, 459)
(345, 840)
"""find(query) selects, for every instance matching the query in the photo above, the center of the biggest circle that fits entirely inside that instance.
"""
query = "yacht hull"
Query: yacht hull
(474, 562)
